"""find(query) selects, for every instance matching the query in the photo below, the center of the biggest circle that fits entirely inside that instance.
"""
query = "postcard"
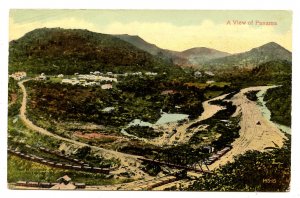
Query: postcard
(149, 100)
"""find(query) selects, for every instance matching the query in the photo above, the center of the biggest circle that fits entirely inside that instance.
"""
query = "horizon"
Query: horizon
(208, 47)
(190, 29)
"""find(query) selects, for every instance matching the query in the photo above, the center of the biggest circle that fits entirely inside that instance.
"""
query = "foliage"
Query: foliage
(25, 170)
(56, 50)
(278, 100)
(143, 132)
(252, 171)
(151, 169)
(251, 95)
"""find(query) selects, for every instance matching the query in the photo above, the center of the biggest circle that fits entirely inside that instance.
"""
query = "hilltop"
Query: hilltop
(190, 57)
(57, 50)
(250, 59)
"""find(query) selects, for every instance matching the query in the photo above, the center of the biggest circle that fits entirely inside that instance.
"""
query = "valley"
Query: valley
(127, 117)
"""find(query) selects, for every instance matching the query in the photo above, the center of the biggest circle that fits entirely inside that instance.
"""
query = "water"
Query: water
(135, 122)
(266, 112)
(171, 117)
(165, 118)
(140, 123)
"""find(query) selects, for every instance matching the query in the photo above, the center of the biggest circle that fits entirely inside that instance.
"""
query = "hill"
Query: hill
(191, 57)
(56, 50)
(167, 55)
(200, 55)
(250, 59)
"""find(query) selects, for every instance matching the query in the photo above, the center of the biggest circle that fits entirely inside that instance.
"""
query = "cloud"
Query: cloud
(229, 38)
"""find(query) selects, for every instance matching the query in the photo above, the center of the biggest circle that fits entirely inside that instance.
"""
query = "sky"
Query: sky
(169, 29)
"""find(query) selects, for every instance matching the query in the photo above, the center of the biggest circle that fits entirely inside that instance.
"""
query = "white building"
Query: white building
(106, 86)
(18, 75)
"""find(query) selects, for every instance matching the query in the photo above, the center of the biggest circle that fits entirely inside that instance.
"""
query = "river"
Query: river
(266, 112)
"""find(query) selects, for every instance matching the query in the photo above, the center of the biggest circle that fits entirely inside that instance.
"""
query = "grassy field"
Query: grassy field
(25, 170)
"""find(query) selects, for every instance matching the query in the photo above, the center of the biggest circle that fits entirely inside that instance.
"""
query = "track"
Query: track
(253, 136)
(125, 159)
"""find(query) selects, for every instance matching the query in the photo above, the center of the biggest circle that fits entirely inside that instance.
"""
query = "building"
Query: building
(64, 184)
(60, 76)
(18, 75)
(107, 86)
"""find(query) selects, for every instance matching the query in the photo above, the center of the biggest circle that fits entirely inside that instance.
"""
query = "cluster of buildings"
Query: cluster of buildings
(89, 82)
(18, 75)
(97, 78)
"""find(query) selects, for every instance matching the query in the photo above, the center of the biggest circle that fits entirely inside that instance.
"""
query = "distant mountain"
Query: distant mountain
(250, 59)
(56, 50)
(140, 43)
(192, 57)
(200, 55)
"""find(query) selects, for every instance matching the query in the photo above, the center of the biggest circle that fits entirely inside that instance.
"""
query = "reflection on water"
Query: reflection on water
(266, 112)
(171, 117)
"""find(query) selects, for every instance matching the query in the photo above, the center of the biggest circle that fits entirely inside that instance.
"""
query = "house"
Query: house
(60, 76)
(107, 86)
(150, 73)
(103, 78)
(67, 81)
(210, 82)
(209, 73)
(42, 78)
(198, 74)
(97, 73)
(65, 179)
(18, 75)
(64, 184)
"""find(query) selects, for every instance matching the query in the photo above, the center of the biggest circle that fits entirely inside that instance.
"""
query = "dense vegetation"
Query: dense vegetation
(251, 95)
(251, 59)
(139, 98)
(279, 103)
(56, 50)
(220, 124)
(143, 132)
(252, 171)
(24, 170)
(272, 72)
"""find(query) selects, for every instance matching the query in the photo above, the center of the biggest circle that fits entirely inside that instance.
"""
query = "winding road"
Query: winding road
(253, 136)
(126, 159)
(256, 133)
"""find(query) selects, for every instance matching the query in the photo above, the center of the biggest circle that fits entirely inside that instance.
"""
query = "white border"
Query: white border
(148, 4)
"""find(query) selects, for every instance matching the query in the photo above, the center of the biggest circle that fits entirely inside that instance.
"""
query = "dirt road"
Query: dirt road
(128, 162)
(253, 136)
(182, 135)
(256, 131)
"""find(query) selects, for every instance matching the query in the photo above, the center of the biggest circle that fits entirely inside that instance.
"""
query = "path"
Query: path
(253, 136)
(182, 135)
(127, 160)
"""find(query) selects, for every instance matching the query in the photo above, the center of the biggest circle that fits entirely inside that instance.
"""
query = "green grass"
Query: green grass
(212, 94)
(55, 80)
(25, 170)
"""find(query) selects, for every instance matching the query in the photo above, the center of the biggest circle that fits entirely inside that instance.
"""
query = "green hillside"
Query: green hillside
(56, 50)
(250, 59)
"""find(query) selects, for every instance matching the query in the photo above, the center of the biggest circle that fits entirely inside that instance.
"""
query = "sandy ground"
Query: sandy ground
(252, 135)
(182, 136)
